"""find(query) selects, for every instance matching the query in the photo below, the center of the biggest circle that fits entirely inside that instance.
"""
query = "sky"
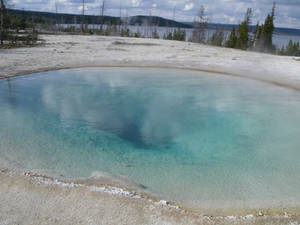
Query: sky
(217, 11)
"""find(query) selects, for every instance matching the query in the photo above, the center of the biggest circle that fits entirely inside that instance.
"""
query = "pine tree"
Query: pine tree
(289, 48)
(292, 49)
(155, 34)
(179, 35)
(231, 43)
(281, 51)
(168, 36)
(241, 39)
(243, 31)
(297, 49)
(217, 38)
(264, 37)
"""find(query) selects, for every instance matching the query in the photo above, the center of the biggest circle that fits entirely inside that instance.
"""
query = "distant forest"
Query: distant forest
(52, 18)
(62, 18)
(21, 28)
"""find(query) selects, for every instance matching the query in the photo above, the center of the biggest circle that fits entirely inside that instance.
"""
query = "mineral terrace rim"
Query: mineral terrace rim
(216, 72)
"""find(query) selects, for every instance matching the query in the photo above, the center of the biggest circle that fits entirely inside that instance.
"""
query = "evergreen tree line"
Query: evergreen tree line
(177, 35)
(292, 49)
(261, 39)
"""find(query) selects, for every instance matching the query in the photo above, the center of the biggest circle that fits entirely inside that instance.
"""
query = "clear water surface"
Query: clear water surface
(200, 139)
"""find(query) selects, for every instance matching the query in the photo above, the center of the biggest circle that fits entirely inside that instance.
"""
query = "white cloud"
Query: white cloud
(80, 8)
(189, 6)
(135, 3)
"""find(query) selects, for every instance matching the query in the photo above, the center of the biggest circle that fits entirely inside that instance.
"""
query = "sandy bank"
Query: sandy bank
(81, 51)
(25, 200)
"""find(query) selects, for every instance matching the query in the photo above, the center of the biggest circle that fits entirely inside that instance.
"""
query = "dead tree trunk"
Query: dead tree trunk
(82, 22)
(199, 31)
(56, 11)
(120, 21)
(2, 12)
(102, 15)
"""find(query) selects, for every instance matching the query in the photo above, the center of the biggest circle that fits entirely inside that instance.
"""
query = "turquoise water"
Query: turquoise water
(200, 139)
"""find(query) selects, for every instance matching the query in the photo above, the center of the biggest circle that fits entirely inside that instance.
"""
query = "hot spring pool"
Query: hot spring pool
(199, 139)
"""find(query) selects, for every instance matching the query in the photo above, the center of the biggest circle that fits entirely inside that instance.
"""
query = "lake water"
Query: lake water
(200, 139)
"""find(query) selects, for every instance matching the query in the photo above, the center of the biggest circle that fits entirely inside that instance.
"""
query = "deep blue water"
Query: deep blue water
(201, 139)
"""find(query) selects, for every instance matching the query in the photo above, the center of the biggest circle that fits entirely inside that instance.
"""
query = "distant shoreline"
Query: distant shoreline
(181, 24)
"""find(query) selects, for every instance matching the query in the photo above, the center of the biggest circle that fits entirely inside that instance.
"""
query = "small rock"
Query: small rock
(4, 170)
(163, 202)
(250, 216)
(231, 217)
